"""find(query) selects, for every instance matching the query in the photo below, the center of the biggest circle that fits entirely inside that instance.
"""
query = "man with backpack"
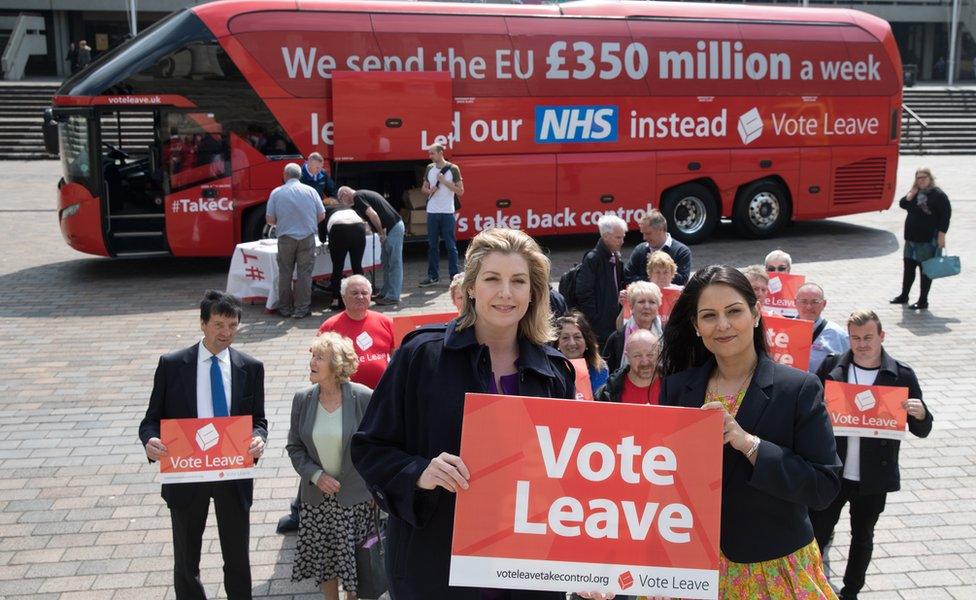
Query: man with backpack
(443, 187)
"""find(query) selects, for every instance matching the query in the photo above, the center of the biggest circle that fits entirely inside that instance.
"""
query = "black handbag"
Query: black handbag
(371, 561)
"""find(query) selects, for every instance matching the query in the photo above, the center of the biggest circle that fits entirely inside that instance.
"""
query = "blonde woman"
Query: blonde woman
(644, 299)
(408, 443)
(335, 504)
(661, 269)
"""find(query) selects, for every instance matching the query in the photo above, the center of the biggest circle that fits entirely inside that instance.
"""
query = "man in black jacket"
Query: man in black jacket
(870, 465)
(654, 228)
(635, 383)
(601, 277)
(209, 379)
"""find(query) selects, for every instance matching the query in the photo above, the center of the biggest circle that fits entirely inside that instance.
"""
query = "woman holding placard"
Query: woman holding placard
(407, 445)
(780, 458)
(335, 504)
(575, 339)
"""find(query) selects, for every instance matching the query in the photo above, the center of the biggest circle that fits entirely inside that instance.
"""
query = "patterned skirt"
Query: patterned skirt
(327, 538)
(797, 576)
(921, 251)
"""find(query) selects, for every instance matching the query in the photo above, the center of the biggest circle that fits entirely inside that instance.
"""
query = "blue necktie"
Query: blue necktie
(217, 394)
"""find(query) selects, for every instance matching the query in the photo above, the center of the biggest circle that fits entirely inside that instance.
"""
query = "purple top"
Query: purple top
(510, 387)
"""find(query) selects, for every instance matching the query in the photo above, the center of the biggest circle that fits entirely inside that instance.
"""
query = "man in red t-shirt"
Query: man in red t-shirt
(636, 383)
(372, 337)
(371, 332)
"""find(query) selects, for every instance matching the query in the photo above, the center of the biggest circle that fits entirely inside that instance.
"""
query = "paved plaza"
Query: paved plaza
(80, 511)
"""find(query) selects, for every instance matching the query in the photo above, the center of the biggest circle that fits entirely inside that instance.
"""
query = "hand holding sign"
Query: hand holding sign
(256, 449)
(447, 471)
(155, 449)
(915, 408)
(733, 433)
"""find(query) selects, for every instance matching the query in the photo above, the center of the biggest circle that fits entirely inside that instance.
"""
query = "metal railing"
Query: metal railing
(906, 135)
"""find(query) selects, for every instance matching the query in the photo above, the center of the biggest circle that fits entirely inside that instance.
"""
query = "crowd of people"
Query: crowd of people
(379, 428)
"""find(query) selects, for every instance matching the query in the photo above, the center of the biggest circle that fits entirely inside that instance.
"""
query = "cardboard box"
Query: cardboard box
(415, 199)
(416, 222)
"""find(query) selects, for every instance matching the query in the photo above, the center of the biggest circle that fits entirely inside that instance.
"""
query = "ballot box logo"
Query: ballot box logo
(865, 401)
(207, 437)
(750, 126)
(625, 580)
(364, 341)
(775, 285)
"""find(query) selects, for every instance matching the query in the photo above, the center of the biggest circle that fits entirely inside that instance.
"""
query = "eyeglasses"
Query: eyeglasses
(920, 177)
(773, 269)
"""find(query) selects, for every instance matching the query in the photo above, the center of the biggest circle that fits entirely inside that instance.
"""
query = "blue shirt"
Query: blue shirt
(832, 340)
(296, 208)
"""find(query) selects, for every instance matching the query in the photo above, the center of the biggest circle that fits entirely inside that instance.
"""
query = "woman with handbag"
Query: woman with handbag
(926, 225)
(407, 448)
(336, 511)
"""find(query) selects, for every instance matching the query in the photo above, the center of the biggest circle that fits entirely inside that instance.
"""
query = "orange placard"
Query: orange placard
(404, 324)
(869, 411)
(788, 341)
(782, 293)
(206, 449)
(584, 388)
(588, 496)
(669, 296)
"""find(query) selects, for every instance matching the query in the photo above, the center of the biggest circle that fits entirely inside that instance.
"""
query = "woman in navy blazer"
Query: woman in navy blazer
(779, 459)
(408, 443)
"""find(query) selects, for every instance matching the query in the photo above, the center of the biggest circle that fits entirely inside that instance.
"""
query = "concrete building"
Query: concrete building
(920, 26)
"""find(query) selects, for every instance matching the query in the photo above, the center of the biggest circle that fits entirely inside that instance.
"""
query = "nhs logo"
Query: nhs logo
(579, 124)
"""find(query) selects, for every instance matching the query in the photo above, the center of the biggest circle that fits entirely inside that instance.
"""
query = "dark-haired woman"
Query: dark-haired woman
(779, 460)
(575, 339)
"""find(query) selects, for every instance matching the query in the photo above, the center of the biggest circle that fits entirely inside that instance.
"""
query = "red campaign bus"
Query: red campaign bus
(172, 142)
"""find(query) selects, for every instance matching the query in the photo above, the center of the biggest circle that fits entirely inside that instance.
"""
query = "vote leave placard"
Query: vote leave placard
(206, 449)
(788, 341)
(402, 325)
(584, 387)
(669, 296)
(588, 496)
(867, 411)
(782, 293)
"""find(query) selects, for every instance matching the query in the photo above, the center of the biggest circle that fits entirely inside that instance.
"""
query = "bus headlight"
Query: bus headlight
(70, 211)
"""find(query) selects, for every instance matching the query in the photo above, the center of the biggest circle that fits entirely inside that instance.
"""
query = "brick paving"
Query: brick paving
(80, 512)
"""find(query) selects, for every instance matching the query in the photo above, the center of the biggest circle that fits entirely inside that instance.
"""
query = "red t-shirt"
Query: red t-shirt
(373, 340)
(637, 395)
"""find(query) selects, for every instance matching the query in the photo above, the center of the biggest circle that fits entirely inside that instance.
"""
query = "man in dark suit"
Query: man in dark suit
(654, 228)
(196, 383)
(870, 465)
(601, 277)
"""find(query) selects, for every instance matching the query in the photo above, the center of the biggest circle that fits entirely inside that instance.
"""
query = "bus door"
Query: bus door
(381, 116)
(199, 207)
(131, 182)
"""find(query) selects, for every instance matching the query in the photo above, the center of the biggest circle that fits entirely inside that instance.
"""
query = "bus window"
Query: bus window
(196, 150)
(75, 150)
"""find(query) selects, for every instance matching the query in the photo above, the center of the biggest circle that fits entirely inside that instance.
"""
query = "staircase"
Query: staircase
(21, 117)
(950, 120)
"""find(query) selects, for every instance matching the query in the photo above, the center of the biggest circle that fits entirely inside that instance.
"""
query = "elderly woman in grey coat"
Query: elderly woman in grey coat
(335, 504)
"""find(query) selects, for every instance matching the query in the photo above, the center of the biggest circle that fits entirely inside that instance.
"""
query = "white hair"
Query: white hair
(608, 223)
(345, 189)
(293, 171)
(779, 255)
(354, 279)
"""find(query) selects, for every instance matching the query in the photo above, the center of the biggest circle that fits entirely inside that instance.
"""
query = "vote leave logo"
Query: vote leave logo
(625, 580)
(207, 437)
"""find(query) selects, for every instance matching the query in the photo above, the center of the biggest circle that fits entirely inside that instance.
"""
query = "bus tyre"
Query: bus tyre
(692, 212)
(761, 210)
(255, 226)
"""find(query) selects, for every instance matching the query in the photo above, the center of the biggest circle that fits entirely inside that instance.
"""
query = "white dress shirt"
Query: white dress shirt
(204, 400)
(852, 462)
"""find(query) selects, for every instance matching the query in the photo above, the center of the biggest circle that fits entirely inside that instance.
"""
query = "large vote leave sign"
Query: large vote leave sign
(871, 411)
(213, 449)
(585, 496)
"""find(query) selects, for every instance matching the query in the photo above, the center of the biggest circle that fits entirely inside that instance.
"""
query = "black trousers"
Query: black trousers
(346, 239)
(233, 526)
(865, 510)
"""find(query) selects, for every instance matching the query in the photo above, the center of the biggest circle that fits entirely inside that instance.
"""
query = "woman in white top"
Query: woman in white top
(335, 512)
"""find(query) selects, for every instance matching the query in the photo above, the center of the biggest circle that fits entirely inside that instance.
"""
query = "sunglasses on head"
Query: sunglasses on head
(773, 269)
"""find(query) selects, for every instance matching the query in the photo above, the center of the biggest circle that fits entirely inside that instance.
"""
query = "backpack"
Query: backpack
(567, 283)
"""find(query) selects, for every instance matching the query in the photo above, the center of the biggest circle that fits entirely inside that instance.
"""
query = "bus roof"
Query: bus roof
(218, 14)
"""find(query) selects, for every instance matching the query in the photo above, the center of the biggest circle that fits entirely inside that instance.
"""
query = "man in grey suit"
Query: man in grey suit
(197, 382)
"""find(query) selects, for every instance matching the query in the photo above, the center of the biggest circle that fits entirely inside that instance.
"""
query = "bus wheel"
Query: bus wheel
(762, 209)
(255, 227)
(691, 211)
